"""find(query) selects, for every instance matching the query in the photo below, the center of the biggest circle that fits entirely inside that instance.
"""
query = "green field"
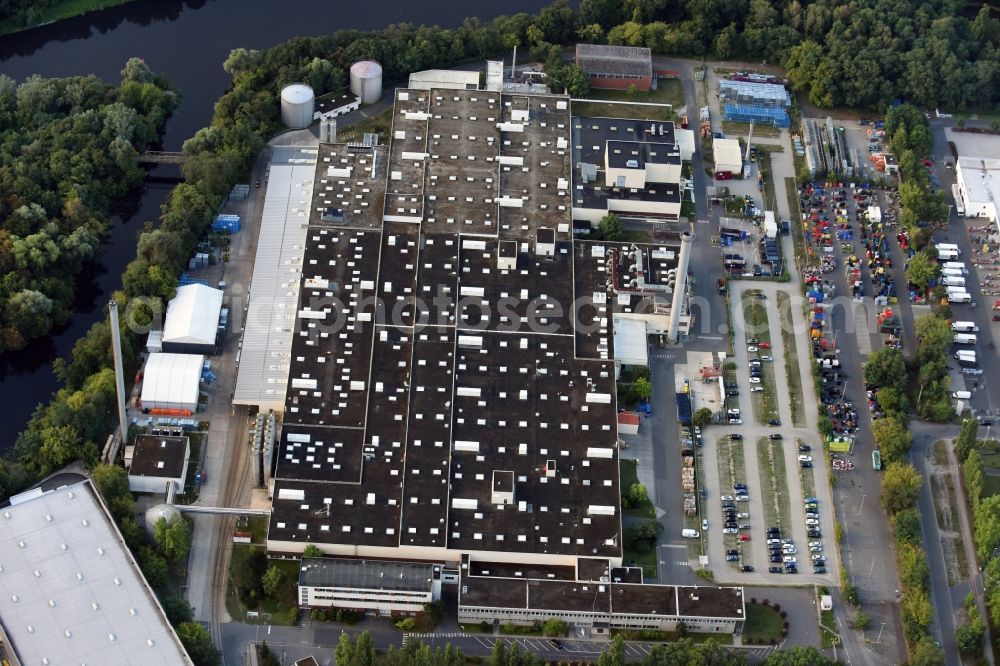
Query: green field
(599, 109)
(668, 91)
(629, 477)
(763, 624)
(791, 360)
(991, 485)
(774, 483)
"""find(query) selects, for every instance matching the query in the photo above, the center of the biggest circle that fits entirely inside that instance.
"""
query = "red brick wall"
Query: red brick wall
(619, 84)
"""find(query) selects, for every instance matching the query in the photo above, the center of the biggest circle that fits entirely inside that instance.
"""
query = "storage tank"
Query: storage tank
(297, 102)
(366, 81)
(153, 514)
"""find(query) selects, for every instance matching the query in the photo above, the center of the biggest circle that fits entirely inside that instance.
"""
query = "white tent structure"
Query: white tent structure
(192, 321)
(171, 382)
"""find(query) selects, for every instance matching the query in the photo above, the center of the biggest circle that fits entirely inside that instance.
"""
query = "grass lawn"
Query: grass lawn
(62, 10)
(991, 485)
(939, 453)
(190, 489)
(763, 624)
(764, 165)
(599, 109)
(653, 635)
(742, 129)
(803, 256)
(791, 360)
(644, 558)
(827, 637)
(668, 91)
(519, 630)
(774, 484)
(990, 459)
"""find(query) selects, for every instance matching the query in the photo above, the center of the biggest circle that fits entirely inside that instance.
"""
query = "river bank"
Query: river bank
(59, 12)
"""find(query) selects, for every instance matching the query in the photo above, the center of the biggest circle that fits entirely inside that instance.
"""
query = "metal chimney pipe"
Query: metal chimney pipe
(680, 286)
(513, 62)
(116, 347)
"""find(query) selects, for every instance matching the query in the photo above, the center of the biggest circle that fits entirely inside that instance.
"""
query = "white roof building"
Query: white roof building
(192, 320)
(630, 342)
(979, 186)
(728, 156)
(172, 381)
(444, 78)
(70, 591)
(277, 272)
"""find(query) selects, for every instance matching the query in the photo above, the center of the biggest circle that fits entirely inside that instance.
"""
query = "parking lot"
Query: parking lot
(755, 473)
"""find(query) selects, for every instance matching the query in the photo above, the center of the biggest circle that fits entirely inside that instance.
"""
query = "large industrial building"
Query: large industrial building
(70, 590)
(157, 460)
(444, 352)
(616, 67)
(979, 186)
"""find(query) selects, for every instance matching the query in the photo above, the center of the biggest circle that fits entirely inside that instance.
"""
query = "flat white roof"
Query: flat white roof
(727, 152)
(274, 288)
(171, 379)
(71, 593)
(630, 341)
(193, 315)
(442, 78)
(981, 178)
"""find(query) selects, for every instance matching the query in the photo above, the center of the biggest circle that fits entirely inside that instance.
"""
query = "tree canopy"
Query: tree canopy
(68, 150)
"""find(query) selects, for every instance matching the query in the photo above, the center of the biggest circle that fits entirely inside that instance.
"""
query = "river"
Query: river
(188, 41)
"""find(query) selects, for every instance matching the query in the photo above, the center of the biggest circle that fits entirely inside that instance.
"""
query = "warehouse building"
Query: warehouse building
(979, 186)
(616, 67)
(171, 384)
(753, 93)
(444, 79)
(156, 460)
(192, 322)
(441, 399)
(628, 167)
(391, 589)
(262, 375)
(727, 156)
(70, 590)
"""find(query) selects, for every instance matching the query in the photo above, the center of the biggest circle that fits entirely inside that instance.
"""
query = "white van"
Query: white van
(952, 272)
(961, 395)
(964, 326)
(947, 255)
(953, 281)
(955, 265)
(688, 533)
(947, 246)
(965, 339)
(966, 353)
(960, 297)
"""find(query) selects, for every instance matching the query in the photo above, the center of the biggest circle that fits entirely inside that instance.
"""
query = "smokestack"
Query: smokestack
(680, 286)
(116, 347)
(513, 62)
(749, 142)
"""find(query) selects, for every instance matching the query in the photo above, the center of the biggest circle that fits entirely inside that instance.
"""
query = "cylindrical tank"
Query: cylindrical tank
(297, 102)
(366, 81)
(154, 513)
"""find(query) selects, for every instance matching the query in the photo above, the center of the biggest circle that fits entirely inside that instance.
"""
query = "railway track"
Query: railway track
(236, 492)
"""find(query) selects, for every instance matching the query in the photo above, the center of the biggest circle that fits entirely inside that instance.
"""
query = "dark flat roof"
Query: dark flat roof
(621, 153)
(366, 574)
(160, 456)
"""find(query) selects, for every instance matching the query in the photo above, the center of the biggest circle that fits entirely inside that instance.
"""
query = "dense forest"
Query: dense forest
(68, 150)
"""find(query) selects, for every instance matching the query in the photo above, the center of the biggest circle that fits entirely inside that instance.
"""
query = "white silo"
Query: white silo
(168, 512)
(366, 81)
(297, 101)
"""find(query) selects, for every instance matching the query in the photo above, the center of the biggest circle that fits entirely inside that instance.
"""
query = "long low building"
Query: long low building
(594, 593)
(171, 383)
(387, 588)
(616, 67)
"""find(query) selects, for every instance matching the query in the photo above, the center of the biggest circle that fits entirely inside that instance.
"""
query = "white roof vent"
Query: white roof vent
(149, 642)
(14, 598)
(117, 583)
(133, 612)
(69, 634)
(31, 629)
(111, 637)
(95, 606)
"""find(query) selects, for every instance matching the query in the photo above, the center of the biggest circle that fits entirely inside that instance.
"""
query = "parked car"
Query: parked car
(774, 558)
(704, 523)
(805, 465)
(727, 498)
(755, 380)
(743, 514)
(766, 357)
(744, 537)
(774, 422)
(764, 345)
(736, 437)
(789, 559)
(810, 499)
(805, 459)
(730, 530)
(775, 437)
(774, 570)
(746, 568)
(804, 447)
(819, 570)
(812, 522)
(752, 348)
(814, 534)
